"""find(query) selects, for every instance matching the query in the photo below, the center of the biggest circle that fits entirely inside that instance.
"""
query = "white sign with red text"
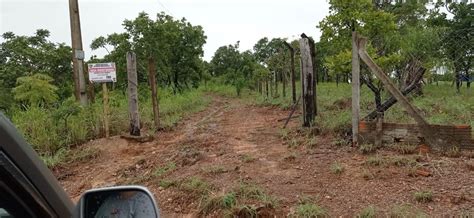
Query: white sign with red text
(102, 73)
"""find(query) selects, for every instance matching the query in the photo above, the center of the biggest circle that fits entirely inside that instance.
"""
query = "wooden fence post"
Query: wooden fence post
(379, 130)
(283, 78)
(133, 94)
(308, 83)
(275, 79)
(105, 93)
(424, 127)
(154, 92)
(293, 75)
(355, 89)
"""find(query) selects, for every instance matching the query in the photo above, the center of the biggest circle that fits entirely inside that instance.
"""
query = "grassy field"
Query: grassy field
(439, 104)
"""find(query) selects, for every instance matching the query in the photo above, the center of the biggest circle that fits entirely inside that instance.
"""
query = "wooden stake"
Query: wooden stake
(424, 127)
(355, 89)
(308, 83)
(154, 92)
(105, 93)
(293, 75)
(133, 94)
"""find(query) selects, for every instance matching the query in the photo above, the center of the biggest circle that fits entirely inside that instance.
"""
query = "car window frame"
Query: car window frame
(27, 161)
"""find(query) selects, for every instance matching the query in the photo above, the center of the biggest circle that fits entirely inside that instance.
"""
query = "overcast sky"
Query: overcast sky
(224, 21)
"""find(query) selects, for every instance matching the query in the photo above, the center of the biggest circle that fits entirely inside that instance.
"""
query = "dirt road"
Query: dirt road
(231, 143)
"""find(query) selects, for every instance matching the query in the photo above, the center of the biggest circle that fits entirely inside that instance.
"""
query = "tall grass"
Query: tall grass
(439, 104)
(49, 131)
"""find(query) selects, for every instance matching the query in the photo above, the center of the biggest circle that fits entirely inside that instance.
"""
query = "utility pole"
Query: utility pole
(77, 53)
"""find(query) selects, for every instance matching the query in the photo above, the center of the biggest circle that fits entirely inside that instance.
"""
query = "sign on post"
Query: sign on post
(102, 73)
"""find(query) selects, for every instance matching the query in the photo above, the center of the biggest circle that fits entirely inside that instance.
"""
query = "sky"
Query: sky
(224, 21)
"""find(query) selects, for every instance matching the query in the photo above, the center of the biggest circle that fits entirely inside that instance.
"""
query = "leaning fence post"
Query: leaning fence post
(424, 127)
(132, 94)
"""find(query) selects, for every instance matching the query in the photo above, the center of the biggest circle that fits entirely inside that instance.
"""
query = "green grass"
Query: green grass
(439, 104)
(51, 131)
(252, 191)
(310, 210)
(218, 202)
(196, 185)
(160, 171)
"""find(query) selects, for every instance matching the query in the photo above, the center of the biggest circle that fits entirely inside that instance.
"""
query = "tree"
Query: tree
(233, 67)
(175, 45)
(35, 90)
(457, 40)
(22, 56)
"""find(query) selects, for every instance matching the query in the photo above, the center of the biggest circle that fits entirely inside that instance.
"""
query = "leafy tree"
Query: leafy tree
(24, 55)
(234, 67)
(457, 40)
(35, 90)
(175, 45)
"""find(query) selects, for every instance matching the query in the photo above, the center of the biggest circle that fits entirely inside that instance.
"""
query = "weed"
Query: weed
(293, 143)
(367, 148)
(196, 185)
(167, 183)
(406, 210)
(83, 154)
(404, 148)
(367, 212)
(402, 161)
(367, 175)
(337, 168)
(454, 152)
(56, 159)
(252, 191)
(339, 142)
(219, 202)
(375, 161)
(214, 169)
(312, 143)
(284, 134)
(423, 196)
(247, 158)
(160, 171)
(310, 210)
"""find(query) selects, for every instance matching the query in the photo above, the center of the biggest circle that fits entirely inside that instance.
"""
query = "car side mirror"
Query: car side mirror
(120, 201)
